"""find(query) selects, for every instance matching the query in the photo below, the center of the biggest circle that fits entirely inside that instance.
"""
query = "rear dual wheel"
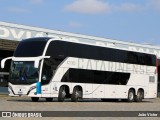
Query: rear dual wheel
(139, 96)
(76, 95)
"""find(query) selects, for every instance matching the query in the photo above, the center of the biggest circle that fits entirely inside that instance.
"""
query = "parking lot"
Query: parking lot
(25, 104)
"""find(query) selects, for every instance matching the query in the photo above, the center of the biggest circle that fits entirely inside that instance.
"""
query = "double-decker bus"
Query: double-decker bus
(59, 68)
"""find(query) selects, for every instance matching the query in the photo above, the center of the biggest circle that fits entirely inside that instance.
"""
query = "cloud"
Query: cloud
(99, 6)
(36, 2)
(88, 6)
(73, 24)
(17, 10)
(127, 7)
(155, 4)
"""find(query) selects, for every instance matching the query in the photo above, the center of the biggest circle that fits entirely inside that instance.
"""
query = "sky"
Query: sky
(126, 20)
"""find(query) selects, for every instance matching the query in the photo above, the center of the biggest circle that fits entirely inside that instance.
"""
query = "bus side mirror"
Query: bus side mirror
(3, 62)
(36, 63)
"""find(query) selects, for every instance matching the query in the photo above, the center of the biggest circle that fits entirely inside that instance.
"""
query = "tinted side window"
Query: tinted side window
(57, 49)
(95, 77)
(64, 49)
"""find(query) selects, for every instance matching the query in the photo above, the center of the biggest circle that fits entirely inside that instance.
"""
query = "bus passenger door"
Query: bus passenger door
(45, 87)
(48, 70)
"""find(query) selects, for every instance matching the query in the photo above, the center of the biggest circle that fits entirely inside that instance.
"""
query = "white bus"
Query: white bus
(55, 68)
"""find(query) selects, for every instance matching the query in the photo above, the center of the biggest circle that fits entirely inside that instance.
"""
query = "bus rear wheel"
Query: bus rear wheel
(76, 95)
(49, 99)
(62, 94)
(131, 95)
(35, 99)
(139, 96)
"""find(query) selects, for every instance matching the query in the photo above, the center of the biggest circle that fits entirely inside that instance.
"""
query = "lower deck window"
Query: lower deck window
(95, 77)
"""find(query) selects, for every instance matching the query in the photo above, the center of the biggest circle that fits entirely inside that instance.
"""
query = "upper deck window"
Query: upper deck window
(31, 47)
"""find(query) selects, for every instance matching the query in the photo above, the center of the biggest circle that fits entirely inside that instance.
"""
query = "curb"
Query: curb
(3, 95)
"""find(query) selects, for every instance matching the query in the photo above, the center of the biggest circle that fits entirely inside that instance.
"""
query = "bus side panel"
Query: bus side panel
(88, 91)
(121, 91)
(152, 87)
(46, 90)
(152, 91)
(98, 91)
(110, 91)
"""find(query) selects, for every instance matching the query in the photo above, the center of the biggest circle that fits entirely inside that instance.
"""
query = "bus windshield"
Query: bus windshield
(23, 73)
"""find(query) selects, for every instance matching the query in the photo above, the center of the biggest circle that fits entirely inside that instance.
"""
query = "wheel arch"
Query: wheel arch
(132, 89)
(67, 88)
(141, 90)
(79, 87)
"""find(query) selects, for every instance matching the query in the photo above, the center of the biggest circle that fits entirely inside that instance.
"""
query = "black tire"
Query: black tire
(131, 95)
(49, 99)
(62, 94)
(35, 99)
(139, 96)
(76, 95)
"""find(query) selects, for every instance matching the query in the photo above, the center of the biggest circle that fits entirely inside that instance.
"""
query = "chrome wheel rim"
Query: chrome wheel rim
(131, 96)
(63, 93)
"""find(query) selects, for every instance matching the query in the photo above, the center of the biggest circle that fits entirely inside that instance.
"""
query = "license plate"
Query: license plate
(20, 93)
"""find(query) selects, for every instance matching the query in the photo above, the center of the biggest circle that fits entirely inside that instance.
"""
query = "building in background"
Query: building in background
(11, 34)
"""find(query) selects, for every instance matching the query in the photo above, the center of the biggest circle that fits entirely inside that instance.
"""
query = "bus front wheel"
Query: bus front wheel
(62, 94)
(35, 99)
